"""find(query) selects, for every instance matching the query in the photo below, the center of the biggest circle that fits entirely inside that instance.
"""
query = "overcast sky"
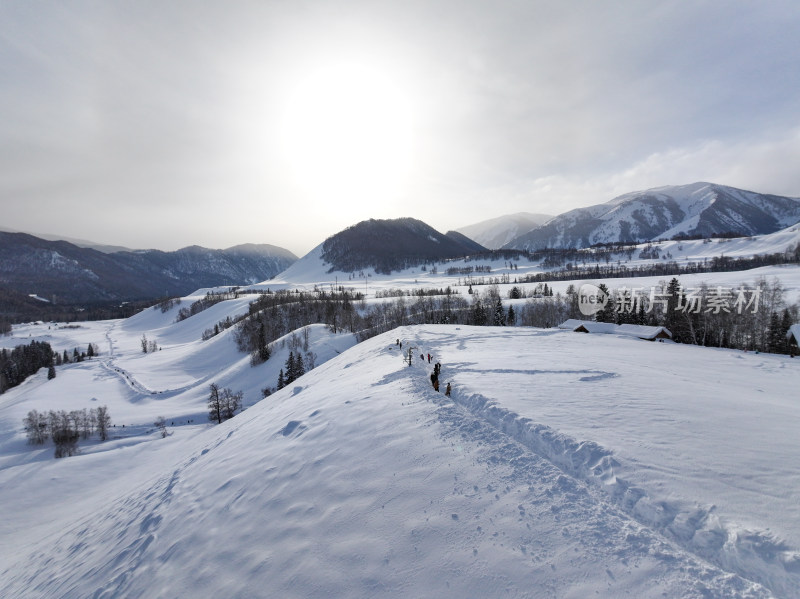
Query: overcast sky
(164, 124)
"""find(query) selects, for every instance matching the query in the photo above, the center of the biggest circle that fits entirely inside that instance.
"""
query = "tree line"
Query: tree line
(211, 298)
(572, 272)
(66, 428)
(274, 315)
(24, 360)
(753, 318)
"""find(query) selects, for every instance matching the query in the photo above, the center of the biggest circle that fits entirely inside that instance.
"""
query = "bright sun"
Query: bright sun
(347, 133)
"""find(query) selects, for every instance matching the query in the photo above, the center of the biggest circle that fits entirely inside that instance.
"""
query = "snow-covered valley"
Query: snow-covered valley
(563, 465)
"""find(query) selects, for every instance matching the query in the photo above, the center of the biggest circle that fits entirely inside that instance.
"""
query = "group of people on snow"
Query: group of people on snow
(437, 368)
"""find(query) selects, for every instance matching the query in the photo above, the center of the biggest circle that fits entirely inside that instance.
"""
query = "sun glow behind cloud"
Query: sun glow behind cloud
(309, 117)
(346, 134)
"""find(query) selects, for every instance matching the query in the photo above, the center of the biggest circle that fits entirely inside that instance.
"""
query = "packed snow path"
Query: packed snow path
(681, 491)
(359, 480)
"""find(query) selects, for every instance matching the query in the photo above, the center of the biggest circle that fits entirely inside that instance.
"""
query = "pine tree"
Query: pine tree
(499, 317)
(299, 367)
(641, 315)
(90, 351)
(51, 372)
(291, 369)
(478, 314)
(786, 324)
(607, 312)
(674, 300)
(281, 380)
(262, 348)
(626, 314)
(776, 336)
(512, 317)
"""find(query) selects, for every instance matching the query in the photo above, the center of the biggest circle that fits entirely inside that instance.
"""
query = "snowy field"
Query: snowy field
(564, 465)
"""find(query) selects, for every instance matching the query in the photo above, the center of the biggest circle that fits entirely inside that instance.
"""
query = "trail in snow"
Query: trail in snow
(757, 555)
(558, 468)
(361, 481)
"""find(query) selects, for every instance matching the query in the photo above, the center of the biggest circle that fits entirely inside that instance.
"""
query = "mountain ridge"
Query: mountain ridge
(29, 264)
(698, 209)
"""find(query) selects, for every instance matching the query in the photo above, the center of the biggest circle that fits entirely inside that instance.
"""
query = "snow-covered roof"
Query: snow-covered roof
(587, 326)
(794, 331)
(642, 331)
(633, 330)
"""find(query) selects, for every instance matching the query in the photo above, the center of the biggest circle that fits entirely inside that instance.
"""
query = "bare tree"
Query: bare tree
(86, 423)
(66, 440)
(223, 403)
(103, 422)
(232, 402)
(161, 425)
(36, 427)
(215, 404)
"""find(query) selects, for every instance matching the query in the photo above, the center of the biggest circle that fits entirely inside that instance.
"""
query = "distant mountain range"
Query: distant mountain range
(497, 232)
(68, 273)
(699, 209)
(389, 245)
(83, 243)
(71, 274)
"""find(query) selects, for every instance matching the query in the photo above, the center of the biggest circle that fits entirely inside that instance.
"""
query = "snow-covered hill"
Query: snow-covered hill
(559, 467)
(701, 209)
(497, 232)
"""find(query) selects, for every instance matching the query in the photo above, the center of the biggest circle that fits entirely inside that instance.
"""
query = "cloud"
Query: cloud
(168, 112)
(763, 165)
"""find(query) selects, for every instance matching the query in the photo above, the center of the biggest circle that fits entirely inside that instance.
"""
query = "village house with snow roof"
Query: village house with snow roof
(649, 333)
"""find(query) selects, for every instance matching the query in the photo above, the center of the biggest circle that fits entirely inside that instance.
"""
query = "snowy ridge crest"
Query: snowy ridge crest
(755, 555)
(699, 209)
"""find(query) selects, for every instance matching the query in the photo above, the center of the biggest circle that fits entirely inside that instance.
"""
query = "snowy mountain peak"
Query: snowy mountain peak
(698, 209)
(497, 232)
